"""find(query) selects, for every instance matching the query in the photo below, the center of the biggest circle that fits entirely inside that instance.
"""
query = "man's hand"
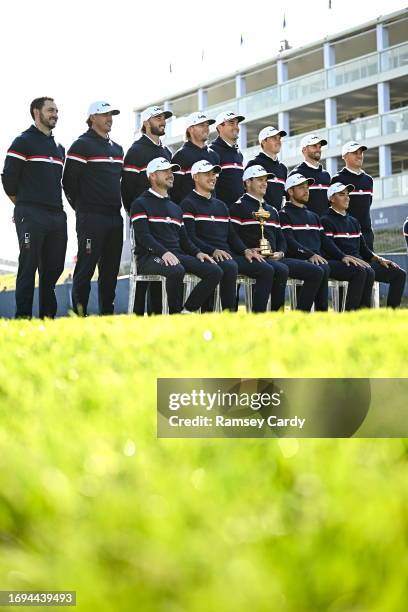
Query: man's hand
(204, 257)
(220, 255)
(252, 254)
(386, 263)
(317, 259)
(170, 259)
(355, 261)
(277, 255)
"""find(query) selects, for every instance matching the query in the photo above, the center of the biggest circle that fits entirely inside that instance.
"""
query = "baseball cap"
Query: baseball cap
(297, 179)
(227, 116)
(255, 172)
(204, 166)
(337, 187)
(160, 163)
(154, 111)
(351, 146)
(197, 118)
(270, 131)
(100, 107)
(312, 139)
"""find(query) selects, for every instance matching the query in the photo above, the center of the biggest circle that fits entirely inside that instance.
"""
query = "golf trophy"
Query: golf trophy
(262, 215)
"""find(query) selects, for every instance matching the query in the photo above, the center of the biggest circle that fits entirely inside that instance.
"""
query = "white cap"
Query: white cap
(351, 146)
(100, 107)
(268, 131)
(204, 166)
(160, 163)
(227, 116)
(197, 118)
(311, 139)
(297, 179)
(255, 172)
(154, 111)
(337, 187)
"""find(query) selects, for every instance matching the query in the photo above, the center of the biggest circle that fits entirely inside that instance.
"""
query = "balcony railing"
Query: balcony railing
(393, 122)
(390, 187)
(267, 101)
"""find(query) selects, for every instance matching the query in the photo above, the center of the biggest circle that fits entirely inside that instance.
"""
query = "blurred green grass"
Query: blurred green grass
(91, 500)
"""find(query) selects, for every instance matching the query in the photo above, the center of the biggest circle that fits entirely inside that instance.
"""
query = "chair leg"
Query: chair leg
(165, 303)
(132, 288)
(217, 299)
(376, 295)
(335, 296)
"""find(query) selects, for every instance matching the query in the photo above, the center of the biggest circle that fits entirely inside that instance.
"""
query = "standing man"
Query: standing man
(311, 147)
(270, 140)
(361, 197)
(209, 226)
(32, 180)
(405, 231)
(229, 186)
(163, 246)
(305, 238)
(135, 180)
(344, 232)
(194, 149)
(142, 151)
(91, 183)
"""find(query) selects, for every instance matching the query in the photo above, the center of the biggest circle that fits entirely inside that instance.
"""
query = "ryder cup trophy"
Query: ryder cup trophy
(262, 216)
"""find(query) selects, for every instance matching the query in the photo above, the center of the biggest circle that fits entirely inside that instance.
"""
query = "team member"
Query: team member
(305, 236)
(344, 232)
(194, 149)
(229, 186)
(250, 232)
(32, 180)
(135, 181)
(270, 140)
(311, 147)
(209, 226)
(405, 231)
(361, 197)
(162, 244)
(142, 151)
(91, 183)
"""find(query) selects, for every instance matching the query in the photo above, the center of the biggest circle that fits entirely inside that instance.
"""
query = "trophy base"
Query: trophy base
(265, 248)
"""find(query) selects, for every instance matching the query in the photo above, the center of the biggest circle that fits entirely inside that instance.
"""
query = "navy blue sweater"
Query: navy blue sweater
(92, 173)
(185, 158)
(344, 232)
(249, 229)
(209, 225)
(134, 178)
(33, 170)
(304, 233)
(158, 226)
(405, 230)
(318, 201)
(361, 198)
(276, 186)
(229, 185)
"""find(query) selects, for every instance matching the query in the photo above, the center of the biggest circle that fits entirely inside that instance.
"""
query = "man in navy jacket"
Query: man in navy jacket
(310, 167)
(194, 149)
(229, 186)
(91, 183)
(32, 180)
(344, 233)
(270, 140)
(305, 236)
(162, 244)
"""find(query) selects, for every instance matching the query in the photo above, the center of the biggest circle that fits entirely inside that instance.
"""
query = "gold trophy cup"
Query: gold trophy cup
(263, 215)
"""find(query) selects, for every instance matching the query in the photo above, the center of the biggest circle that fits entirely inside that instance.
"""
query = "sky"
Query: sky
(86, 50)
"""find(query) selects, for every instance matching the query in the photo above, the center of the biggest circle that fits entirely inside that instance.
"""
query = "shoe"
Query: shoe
(185, 311)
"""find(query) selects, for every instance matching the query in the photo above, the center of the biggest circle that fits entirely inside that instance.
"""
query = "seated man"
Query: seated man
(209, 226)
(249, 231)
(344, 232)
(305, 239)
(162, 244)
